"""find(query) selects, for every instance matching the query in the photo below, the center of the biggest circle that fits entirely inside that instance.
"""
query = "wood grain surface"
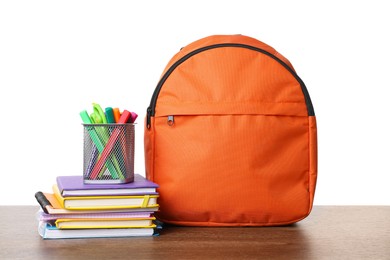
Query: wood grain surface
(330, 232)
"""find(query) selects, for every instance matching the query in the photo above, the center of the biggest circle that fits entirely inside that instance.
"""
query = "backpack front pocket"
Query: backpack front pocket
(224, 168)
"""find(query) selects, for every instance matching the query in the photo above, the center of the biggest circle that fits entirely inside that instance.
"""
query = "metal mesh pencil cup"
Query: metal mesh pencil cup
(108, 153)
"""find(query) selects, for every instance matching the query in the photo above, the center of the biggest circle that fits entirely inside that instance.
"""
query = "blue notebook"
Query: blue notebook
(47, 231)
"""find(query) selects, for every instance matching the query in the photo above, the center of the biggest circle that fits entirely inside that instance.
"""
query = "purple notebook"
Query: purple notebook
(74, 186)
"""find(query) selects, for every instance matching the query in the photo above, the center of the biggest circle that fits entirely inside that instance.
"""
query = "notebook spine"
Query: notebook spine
(43, 201)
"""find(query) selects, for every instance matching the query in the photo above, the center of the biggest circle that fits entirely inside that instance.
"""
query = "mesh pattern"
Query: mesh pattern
(108, 153)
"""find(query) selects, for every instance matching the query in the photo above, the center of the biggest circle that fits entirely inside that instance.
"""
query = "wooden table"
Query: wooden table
(336, 232)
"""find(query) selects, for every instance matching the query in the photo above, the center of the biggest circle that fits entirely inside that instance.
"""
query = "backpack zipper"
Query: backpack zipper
(151, 109)
(171, 120)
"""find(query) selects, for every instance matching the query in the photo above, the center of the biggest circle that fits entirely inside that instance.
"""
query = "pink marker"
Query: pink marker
(133, 117)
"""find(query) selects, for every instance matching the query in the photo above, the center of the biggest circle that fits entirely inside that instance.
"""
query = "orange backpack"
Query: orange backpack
(230, 136)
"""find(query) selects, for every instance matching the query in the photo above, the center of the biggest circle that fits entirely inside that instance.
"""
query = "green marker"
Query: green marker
(110, 115)
(105, 134)
(96, 140)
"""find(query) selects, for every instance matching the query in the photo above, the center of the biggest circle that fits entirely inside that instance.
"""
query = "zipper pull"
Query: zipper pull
(171, 120)
(148, 115)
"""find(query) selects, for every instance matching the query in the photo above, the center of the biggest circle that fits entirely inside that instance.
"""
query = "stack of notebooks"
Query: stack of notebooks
(78, 210)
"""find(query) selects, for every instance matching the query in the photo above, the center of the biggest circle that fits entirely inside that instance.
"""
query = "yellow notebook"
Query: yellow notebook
(106, 202)
(53, 207)
(105, 223)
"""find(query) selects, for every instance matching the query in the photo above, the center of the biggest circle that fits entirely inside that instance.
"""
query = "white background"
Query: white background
(57, 57)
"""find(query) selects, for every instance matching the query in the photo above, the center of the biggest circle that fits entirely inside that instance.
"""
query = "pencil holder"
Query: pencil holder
(108, 153)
